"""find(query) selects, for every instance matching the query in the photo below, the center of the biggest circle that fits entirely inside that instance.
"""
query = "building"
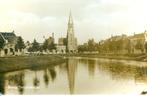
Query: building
(124, 44)
(61, 47)
(68, 44)
(71, 40)
(49, 44)
(137, 42)
(10, 40)
(27, 45)
(62, 41)
(51, 39)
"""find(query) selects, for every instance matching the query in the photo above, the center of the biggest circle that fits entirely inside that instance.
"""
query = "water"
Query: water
(79, 76)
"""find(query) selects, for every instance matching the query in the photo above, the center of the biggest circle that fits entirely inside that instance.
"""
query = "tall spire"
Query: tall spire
(70, 18)
(71, 40)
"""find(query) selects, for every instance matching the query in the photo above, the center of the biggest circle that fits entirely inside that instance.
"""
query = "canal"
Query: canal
(78, 75)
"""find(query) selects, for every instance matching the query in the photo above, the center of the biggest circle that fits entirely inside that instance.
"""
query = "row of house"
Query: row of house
(132, 44)
(10, 40)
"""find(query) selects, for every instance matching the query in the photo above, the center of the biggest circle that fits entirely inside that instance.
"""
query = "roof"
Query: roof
(119, 37)
(10, 36)
(138, 36)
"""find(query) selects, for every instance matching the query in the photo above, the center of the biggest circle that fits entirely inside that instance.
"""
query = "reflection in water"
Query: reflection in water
(17, 79)
(46, 77)
(52, 73)
(119, 70)
(141, 75)
(71, 68)
(20, 83)
(91, 67)
(107, 74)
(49, 73)
(2, 83)
(36, 80)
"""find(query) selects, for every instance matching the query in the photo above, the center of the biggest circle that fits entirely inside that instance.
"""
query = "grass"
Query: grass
(136, 57)
(24, 62)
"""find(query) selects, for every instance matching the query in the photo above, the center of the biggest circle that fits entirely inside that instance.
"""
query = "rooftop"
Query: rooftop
(10, 36)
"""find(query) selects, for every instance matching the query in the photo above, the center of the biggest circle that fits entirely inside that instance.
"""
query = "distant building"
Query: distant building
(61, 47)
(50, 45)
(10, 40)
(71, 40)
(51, 40)
(68, 44)
(124, 44)
(138, 40)
(27, 45)
(62, 41)
(119, 37)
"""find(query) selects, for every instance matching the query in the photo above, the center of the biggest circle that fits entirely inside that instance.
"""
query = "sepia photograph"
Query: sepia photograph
(73, 47)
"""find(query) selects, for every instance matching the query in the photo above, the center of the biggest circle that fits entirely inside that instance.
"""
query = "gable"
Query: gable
(9, 36)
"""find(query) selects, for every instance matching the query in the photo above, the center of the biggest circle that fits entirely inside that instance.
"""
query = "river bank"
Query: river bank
(24, 62)
(135, 57)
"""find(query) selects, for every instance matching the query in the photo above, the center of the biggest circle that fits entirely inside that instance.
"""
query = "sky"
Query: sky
(98, 19)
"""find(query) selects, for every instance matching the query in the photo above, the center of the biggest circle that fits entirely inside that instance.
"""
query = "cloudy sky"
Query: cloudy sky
(98, 19)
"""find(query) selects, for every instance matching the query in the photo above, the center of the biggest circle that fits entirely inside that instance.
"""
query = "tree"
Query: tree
(48, 45)
(128, 45)
(97, 47)
(45, 45)
(146, 47)
(119, 45)
(139, 46)
(20, 44)
(82, 48)
(51, 46)
(35, 46)
(2, 43)
(91, 45)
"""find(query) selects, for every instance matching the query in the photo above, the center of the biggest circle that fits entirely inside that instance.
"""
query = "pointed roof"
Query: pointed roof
(9, 36)
(70, 21)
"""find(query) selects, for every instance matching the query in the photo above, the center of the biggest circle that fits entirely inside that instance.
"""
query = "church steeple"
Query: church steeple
(70, 21)
(70, 24)
(71, 40)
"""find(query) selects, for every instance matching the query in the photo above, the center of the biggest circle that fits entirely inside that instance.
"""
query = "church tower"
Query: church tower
(71, 40)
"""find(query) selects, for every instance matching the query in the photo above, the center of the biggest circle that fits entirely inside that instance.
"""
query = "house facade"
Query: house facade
(61, 46)
(137, 42)
(10, 40)
(123, 44)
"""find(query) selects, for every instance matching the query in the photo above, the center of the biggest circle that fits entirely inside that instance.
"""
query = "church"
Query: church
(68, 44)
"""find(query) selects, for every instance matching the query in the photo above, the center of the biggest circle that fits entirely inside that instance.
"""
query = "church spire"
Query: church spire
(71, 40)
(70, 18)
